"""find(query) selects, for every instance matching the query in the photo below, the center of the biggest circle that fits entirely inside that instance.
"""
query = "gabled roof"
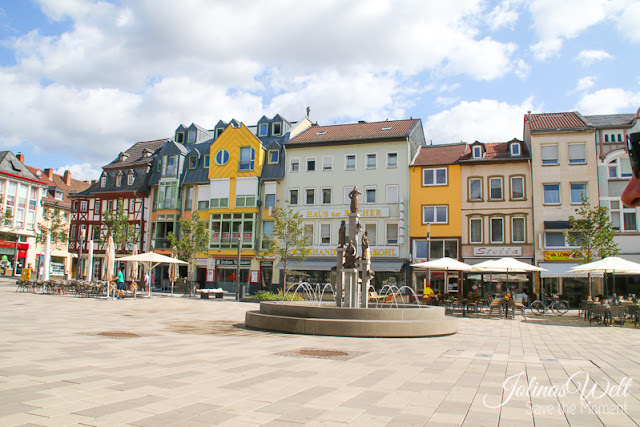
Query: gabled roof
(57, 181)
(10, 165)
(440, 154)
(361, 131)
(136, 154)
(557, 122)
(611, 120)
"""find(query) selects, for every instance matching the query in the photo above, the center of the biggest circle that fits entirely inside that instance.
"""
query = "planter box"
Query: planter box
(204, 295)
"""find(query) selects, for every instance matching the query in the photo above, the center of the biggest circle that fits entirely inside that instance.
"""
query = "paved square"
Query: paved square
(189, 362)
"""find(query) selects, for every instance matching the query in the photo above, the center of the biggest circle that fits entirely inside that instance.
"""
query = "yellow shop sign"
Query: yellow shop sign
(344, 213)
(563, 256)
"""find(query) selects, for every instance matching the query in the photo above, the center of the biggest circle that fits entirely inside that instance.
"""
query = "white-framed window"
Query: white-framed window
(475, 230)
(549, 154)
(619, 168)
(310, 196)
(551, 194)
(518, 229)
(247, 159)
(577, 190)
(392, 160)
(434, 176)
(497, 230)
(325, 233)
(392, 193)
(623, 218)
(370, 228)
(476, 152)
(517, 187)
(495, 188)
(130, 178)
(350, 162)
(276, 128)
(311, 164)
(96, 207)
(371, 161)
(326, 196)
(392, 233)
(269, 201)
(577, 154)
(295, 164)
(308, 232)
(327, 163)
(475, 189)
(515, 149)
(370, 195)
(293, 196)
(435, 214)
(83, 206)
(103, 181)
(119, 179)
(191, 136)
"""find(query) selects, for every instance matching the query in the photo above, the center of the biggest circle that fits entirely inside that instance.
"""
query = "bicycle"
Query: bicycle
(555, 305)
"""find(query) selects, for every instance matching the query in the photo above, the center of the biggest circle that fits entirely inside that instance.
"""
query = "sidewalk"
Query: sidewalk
(187, 361)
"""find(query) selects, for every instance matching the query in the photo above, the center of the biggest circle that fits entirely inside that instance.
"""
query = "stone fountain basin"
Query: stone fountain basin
(327, 319)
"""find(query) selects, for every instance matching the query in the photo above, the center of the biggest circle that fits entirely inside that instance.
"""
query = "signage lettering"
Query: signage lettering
(344, 213)
(563, 256)
(497, 251)
(376, 251)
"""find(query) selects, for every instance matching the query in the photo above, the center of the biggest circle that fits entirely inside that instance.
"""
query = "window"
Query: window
(226, 228)
(553, 239)
(325, 233)
(308, 233)
(623, 218)
(310, 196)
(475, 189)
(350, 162)
(168, 195)
(219, 132)
(630, 221)
(551, 194)
(327, 163)
(517, 230)
(188, 198)
(392, 160)
(96, 207)
(83, 206)
(619, 137)
(244, 201)
(192, 136)
(203, 205)
(392, 194)
(170, 166)
(222, 157)
(371, 161)
(276, 128)
(392, 233)
(263, 128)
(577, 190)
(326, 196)
(370, 195)
(293, 197)
(517, 187)
(495, 189)
(118, 179)
(274, 156)
(549, 154)
(267, 231)
(103, 181)
(620, 168)
(370, 228)
(270, 201)
(497, 230)
(311, 164)
(515, 149)
(476, 152)
(606, 137)
(475, 230)
(437, 176)
(222, 203)
(193, 162)
(577, 154)
(295, 164)
(247, 158)
(179, 136)
(435, 214)
(206, 162)
(75, 206)
(130, 178)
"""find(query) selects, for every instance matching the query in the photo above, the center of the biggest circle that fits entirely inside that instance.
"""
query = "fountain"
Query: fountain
(351, 314)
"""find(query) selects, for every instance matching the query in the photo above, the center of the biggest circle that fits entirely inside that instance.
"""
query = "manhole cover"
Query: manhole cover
(319, 353)
(114, 334)
(322, 353)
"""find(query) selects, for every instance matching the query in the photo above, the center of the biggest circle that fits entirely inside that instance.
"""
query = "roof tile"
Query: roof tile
(356, 131)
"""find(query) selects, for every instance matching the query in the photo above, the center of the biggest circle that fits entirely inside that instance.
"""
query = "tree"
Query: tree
(53, 225)
(288, 239)
(591, 232)
(194, 238)
(118, 224)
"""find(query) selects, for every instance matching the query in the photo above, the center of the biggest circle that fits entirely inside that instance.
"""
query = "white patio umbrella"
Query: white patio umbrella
(612, 264)
(110, 256)
(446, 264)
(150, 260)
(506, 265)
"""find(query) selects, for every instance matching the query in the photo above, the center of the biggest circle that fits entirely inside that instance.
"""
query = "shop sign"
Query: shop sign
(497, 251)
(232, 262)
(227, 237)
(376, 251)
(382, 212)
(564, 256)
(266, 263)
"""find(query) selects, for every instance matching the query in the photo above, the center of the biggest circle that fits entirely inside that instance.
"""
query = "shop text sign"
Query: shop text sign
(563, 256)
(497, 251)
(226, 262)
(343, 213)
(376, 251)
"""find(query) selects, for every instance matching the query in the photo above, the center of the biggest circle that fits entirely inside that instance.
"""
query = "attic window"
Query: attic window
(16, 165)
(130, 178)
(192, 136)
(119, 179)
(179, 136)
(58, 195)
(219, 131)
(276, 128)
(476, 152)
(263, 129)
(515, 149)
(193, 162)
(103, 181)
(387, 128)
(322, 132)
(122, 157)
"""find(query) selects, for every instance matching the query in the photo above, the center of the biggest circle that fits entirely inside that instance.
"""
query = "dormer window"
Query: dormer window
(273, 156)
(515, 149)
(103, 181)
(122, 157)
(146, 153)
(179, 136)
(130, 178)
(276, 128)
(192, 136)
(263, 129)
(193, 162)
(58, 195)
(219, 132)
(119, 179)
(476, 152)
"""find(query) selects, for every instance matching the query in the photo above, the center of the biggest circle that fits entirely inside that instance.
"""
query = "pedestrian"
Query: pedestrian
(147, 281)
(119, 279)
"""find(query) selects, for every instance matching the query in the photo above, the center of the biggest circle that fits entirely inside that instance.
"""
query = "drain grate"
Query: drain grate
(119, 335)
(319, 353)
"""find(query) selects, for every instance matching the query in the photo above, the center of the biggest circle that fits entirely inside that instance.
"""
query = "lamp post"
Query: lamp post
(428, 252)
(238, 288)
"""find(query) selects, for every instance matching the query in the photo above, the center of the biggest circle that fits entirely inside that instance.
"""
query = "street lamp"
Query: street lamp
(238, 288)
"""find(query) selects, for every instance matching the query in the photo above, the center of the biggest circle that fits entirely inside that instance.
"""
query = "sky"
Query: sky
(82, 80)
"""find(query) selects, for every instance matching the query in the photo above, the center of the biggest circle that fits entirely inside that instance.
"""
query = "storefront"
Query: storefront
(223, 273)
(560, 280)
(8, 251)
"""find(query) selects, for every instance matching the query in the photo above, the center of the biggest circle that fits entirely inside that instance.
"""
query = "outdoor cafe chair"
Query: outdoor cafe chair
(600, 314)
(617, 312)
(633, 313)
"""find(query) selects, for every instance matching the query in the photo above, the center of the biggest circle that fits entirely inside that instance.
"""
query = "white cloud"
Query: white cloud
(609, 101)
(486, 120)
(585, 83)
(628, 23)
(446, 100)
(588, 57)
(504, 15)
(82, 172)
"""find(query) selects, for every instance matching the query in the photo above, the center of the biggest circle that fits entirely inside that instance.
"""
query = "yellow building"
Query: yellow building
(236, 160)
(435, 209)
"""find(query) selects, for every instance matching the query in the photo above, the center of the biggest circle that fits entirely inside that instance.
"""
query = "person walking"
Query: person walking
(119, 279)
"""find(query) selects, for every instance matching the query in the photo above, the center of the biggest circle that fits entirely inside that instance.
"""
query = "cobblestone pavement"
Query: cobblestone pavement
(190, 362)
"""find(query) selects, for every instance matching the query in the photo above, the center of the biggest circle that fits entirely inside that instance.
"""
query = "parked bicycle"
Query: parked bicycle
(553, 304)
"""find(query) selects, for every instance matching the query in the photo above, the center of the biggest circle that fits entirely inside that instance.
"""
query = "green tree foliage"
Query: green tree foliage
(53, 224)
(194, 238)
(591, 232)
(119, 225)
(288, 239)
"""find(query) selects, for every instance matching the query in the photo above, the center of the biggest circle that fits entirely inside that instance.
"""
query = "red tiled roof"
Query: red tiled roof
(499, 150)
(442, 154)
(356, 131)
(58, 181)
(557, 121)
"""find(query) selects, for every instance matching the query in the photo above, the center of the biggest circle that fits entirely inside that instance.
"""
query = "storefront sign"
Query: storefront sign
(563, 256)
(376, 251)
(254, 276)
(344, 213)
(497, 251)
(232, 262)
(210, 275)
(266, 263)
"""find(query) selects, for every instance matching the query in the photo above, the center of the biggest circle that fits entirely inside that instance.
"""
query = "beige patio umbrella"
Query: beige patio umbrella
(110, 256)
(446, 264)
(150, 260)
(612, 264)
(506, 265)
(173, 270)
(133, 271)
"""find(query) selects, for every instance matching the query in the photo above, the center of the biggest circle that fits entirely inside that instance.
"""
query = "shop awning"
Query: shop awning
(388, 266)
(327, 264)
(556, 269)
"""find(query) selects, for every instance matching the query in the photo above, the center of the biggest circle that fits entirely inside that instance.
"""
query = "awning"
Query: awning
(327, 264)
(557, 269)
(388, 266)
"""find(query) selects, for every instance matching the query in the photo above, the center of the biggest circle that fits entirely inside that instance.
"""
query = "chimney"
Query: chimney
(67, 177)
(93, 181)
(20, 157)
(49, 173)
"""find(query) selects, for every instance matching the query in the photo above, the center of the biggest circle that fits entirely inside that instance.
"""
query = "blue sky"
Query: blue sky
(83, 80)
